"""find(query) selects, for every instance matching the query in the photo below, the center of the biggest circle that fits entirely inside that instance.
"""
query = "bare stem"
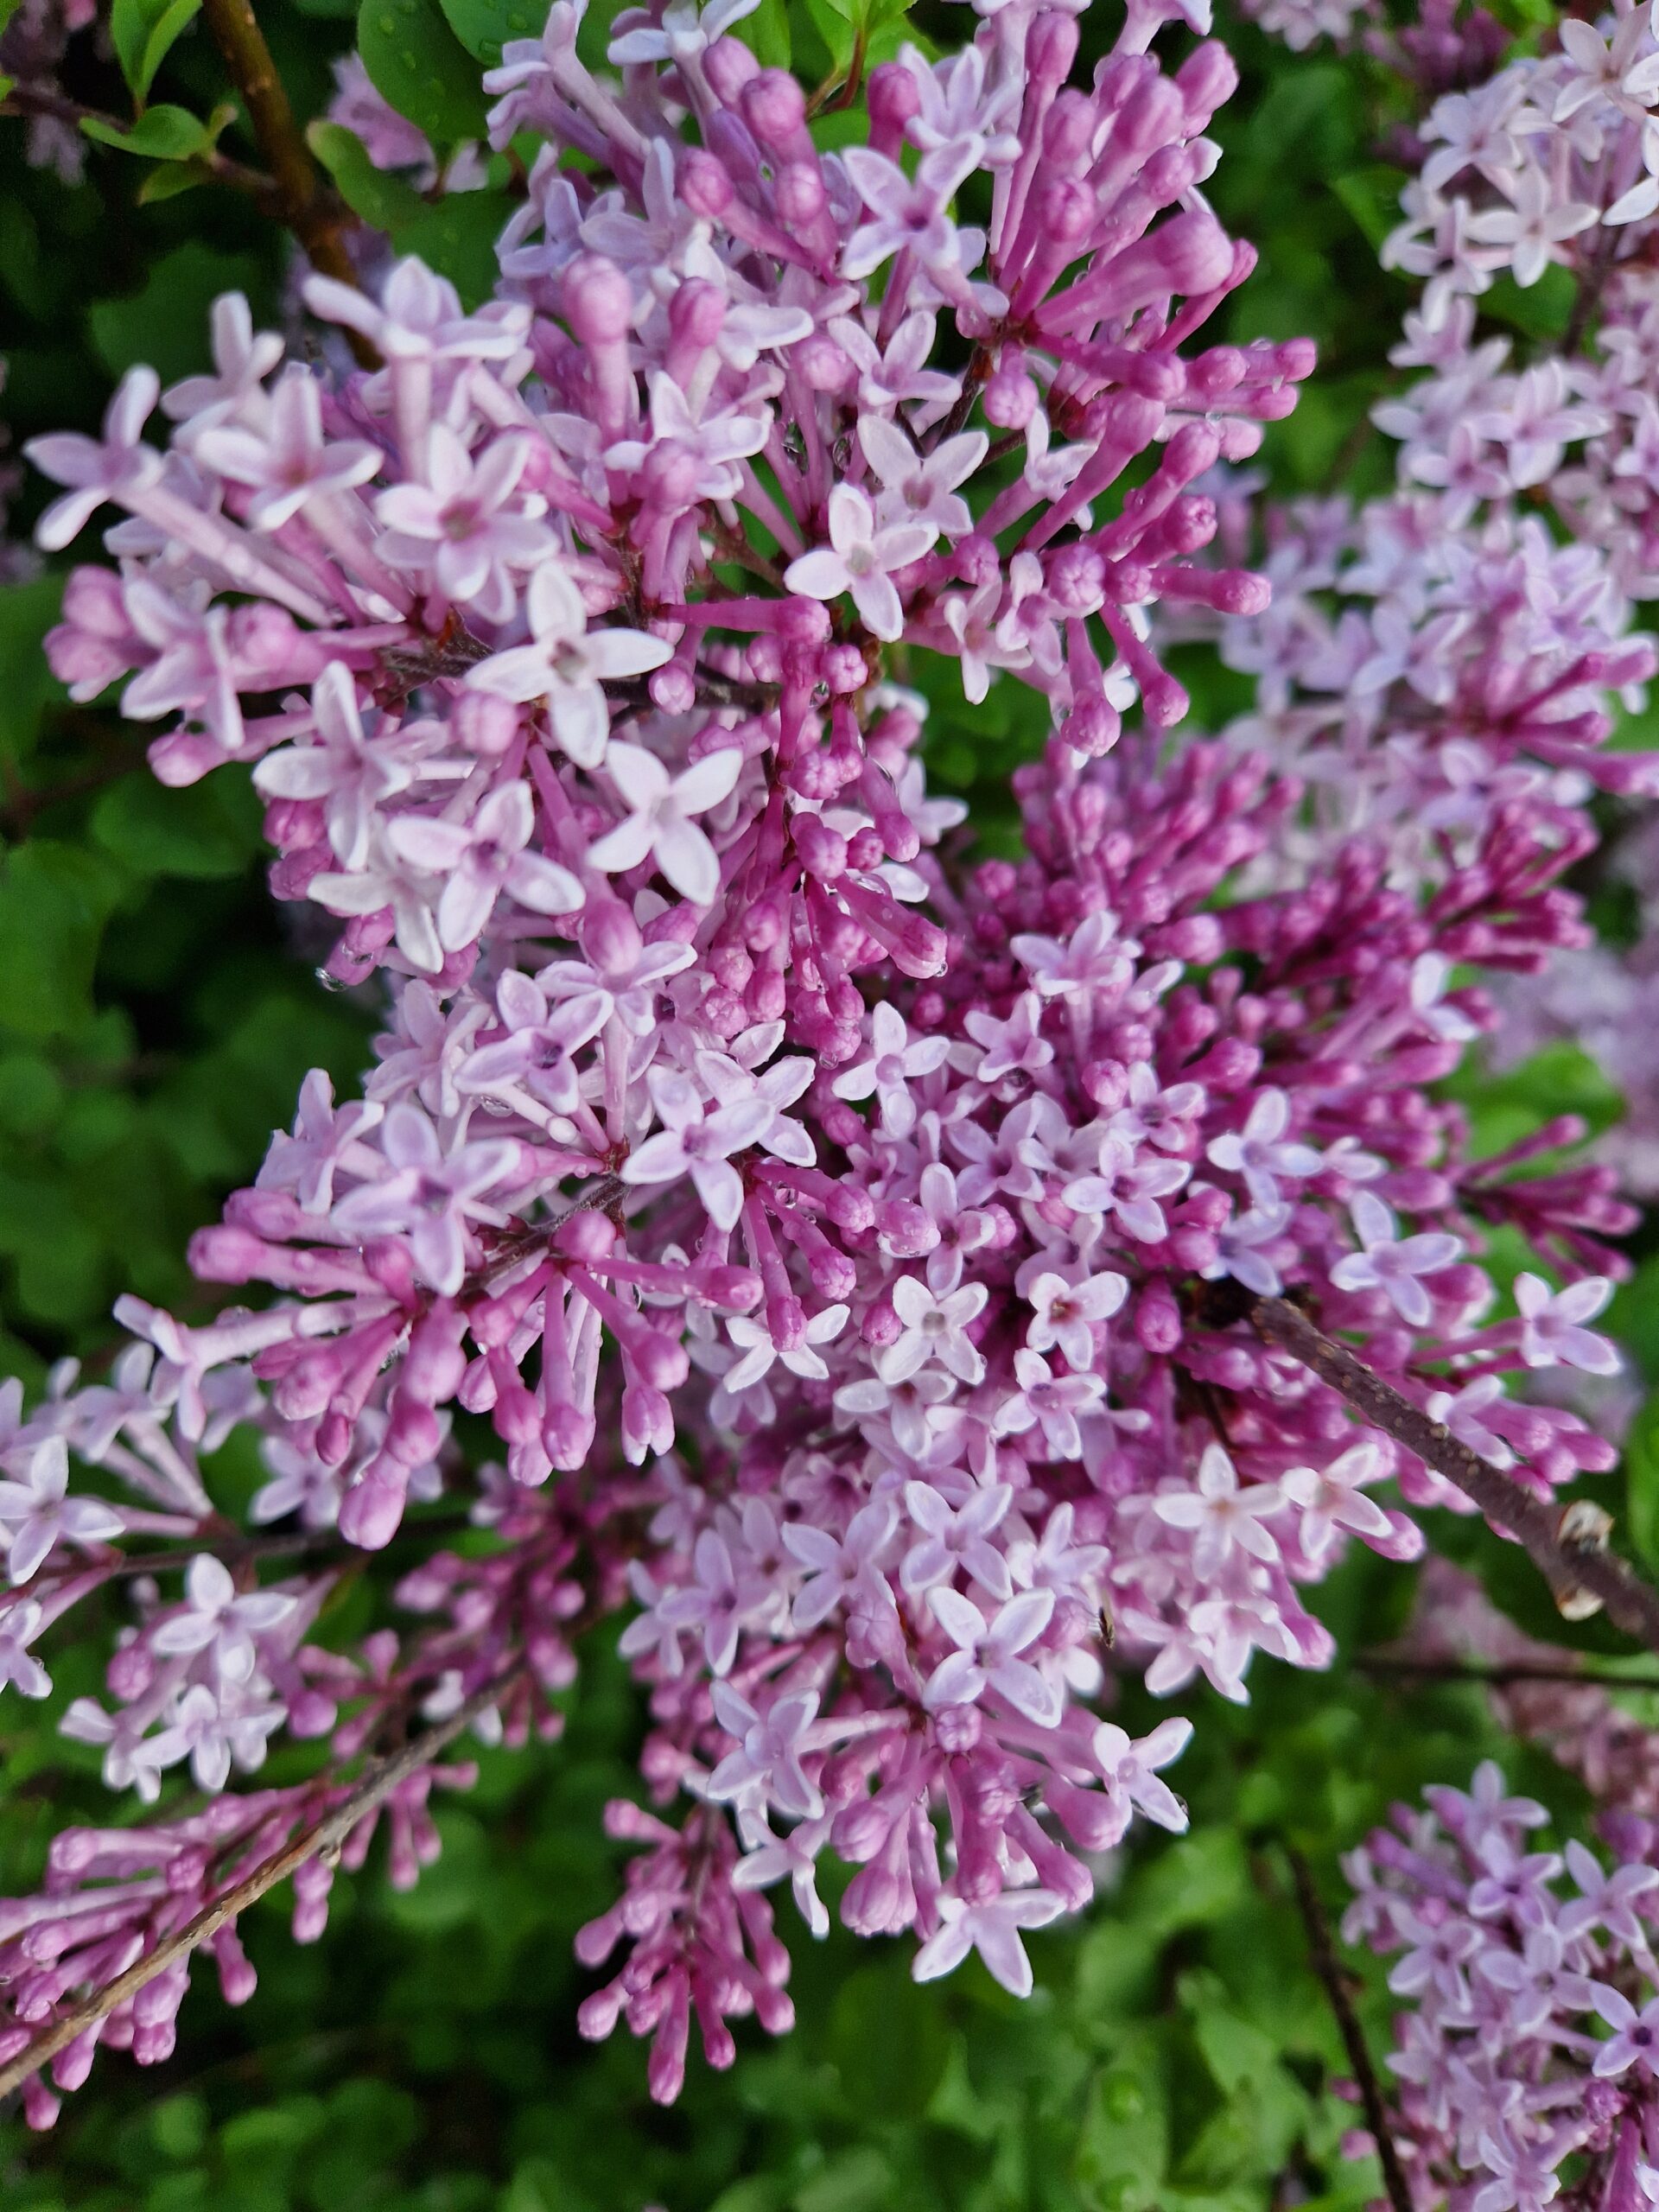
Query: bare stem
(308, 210)
(373, 1788)
(1573, 1570)
(1322, 1957)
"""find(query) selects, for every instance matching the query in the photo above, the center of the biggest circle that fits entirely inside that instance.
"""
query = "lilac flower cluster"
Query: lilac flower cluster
(1536, 2001)
(857, 1236)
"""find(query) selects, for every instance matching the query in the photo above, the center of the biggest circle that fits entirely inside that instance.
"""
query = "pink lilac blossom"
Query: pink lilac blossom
(847, 1226)
(1535, 2020)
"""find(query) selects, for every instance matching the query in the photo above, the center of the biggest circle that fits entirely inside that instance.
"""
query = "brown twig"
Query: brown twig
(373, 1788)
(1323, 1958)
(1573, 1570)
(310, 212)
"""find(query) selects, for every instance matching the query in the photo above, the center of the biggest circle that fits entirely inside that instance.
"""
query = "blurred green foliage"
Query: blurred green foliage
(156, 1014)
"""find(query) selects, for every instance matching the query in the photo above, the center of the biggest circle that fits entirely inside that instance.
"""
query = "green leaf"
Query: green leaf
(415, 61)
(1371, 195)
(26, 613)
(165, 323)
(484, 27)
(889, 2043)
(457, 238)
(161, 134)
(1642, 1480)
(1540, 310)
(766, 33)
(141, 32)
(54, 901)
(386, 200)
(194, 832)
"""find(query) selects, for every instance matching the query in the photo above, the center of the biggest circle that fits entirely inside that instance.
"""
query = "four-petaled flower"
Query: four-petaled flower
(659, 826)
(861, 558)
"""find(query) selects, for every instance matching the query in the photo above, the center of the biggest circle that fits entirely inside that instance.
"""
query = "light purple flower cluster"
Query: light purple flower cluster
(1534, 2038)
(858, 1236)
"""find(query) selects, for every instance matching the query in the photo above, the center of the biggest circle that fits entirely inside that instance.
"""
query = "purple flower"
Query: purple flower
(37, 1513)
(861, 558)
(987, 1656)
(481, 859)
(991, 1929)
(659, 826)
(431, 1197)
(1393, 1264)
(698, 1140)
(1554, 1334)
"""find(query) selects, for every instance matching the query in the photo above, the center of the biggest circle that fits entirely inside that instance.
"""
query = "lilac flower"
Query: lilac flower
(287, 463)
(921, 489)
(37, 1513)
(431, 1197)
(94, 471)
(840, 1571)
(987, 1656)
(758, 1352)
(993, 1931)
(861, 558)
(460, 529)
(1220, 1514)
(1067, 1314)
(933, 1329)
(956, 1537)
(19, 1668)
(895, 1058)
(794, 1859)
(1130, 1770)
(1635, 2039)
(1392, 1264)
(698, 1141)
(1050, 1402)
(767, 1762)
(1260, 1153)
(1334, 1498)
(481, 859)
(898, 375)
(217, 1620)
(660, 827)
(1553, 1332)
(567, 664)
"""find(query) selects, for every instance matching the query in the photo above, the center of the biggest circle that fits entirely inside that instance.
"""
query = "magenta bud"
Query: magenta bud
(774, 107)
(372, 1510)
(586, 1237)
(822, 851)
(1066, 211)
(729, 65)
(659, 1361)
(892, 96)
(1207, 79)
(1010, 399)
(824, 367)
(335, 1434)
(851, 1209)
(568, 1437)
(705, 184)
(220, 1254)
(598, 299)
(1157, 1320)
(413, 1436)
(1051, 47)
(1069, 130)
(797, 195)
